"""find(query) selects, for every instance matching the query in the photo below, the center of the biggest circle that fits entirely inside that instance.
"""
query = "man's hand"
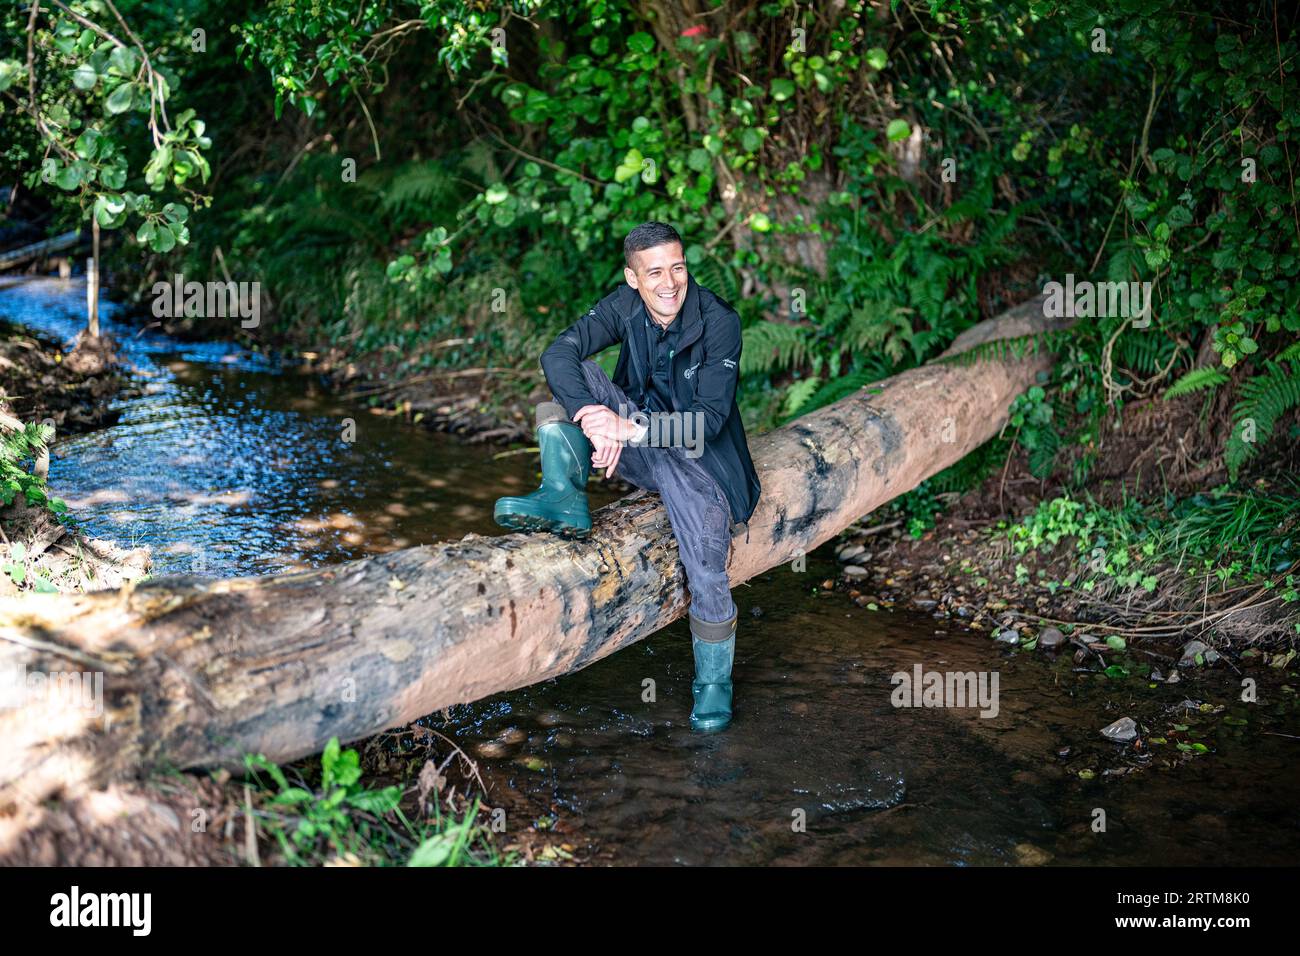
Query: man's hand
(599, 420)
(606, 453)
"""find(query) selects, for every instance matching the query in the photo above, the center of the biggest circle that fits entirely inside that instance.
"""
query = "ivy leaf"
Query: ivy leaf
(782, 89)
(897, 129)
(877, 58)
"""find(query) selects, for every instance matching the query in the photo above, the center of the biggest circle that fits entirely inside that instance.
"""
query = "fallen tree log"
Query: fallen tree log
(16, 257)
(197, 672)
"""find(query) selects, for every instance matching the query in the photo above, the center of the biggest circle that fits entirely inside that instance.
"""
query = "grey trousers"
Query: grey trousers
(697, 507)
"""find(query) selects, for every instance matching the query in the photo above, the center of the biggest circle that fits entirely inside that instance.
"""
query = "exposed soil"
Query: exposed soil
(966, 566)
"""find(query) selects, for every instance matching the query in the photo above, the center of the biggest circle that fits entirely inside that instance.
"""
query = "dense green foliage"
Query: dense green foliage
(446, 182)
(1230, 538)
(19, 451)
(85, 109)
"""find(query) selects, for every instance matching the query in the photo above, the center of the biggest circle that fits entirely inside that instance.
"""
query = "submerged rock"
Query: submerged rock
(1051, 639)
(1192, 648)
(1122, 731)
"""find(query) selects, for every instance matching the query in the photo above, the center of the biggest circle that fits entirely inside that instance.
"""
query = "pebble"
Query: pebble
(1029, 855)
(1009, 636)
(854, 571)
(847, 554)
(1123, 730)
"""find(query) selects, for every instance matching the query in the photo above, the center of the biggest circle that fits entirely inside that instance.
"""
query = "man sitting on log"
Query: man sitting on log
(669, 418)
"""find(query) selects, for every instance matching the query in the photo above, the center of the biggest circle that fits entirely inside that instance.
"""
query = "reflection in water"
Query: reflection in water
(226, 465)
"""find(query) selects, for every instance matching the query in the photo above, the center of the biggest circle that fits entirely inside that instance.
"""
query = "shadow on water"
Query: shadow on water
(225, 464)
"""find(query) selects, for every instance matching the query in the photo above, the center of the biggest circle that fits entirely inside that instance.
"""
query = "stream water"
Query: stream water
(226, 464)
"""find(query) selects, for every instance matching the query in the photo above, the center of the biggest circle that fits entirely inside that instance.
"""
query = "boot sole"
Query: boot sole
(525, 522)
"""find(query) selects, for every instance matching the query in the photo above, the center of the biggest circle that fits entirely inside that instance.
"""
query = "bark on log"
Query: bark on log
(197, 672)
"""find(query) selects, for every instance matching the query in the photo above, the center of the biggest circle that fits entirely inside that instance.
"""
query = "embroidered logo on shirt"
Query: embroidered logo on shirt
(729, 363)
(691, 371)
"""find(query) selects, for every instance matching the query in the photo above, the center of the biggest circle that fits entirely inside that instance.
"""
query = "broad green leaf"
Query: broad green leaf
(84, 77)
(122, 61)
(121, 99)
(897, 129)
(640, 42)
(69, 178)
(87, 145)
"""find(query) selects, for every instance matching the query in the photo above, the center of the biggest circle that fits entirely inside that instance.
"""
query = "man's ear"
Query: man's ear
(630, 276)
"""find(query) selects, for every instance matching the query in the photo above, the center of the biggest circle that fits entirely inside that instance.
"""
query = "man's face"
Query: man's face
(659, 274)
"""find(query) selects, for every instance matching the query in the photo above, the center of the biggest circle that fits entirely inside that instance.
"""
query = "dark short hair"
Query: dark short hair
(647, 236)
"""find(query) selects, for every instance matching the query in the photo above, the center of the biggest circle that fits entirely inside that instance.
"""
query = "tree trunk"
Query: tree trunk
(197, 672)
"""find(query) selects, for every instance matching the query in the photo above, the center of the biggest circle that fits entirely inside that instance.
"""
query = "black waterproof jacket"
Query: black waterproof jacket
(705, 369)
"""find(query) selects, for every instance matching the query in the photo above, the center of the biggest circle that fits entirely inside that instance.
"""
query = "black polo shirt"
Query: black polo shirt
(661, 347)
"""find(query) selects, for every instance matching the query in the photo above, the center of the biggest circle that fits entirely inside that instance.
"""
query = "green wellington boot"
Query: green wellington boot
(560, 505)
(715, 650)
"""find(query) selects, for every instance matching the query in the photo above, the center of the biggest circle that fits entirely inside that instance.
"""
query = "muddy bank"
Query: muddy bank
(71, 391)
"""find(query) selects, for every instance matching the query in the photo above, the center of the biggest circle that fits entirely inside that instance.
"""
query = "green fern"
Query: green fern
(1141, 352)
(19, 450)
(798, 394)
(1015, 347)
(1195, 380)
(1292, 351)
(1042, 456)
(1262, 400)
(774, 345)
(415, 189)
(879, 325)
(844, 386)
(718, 278)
